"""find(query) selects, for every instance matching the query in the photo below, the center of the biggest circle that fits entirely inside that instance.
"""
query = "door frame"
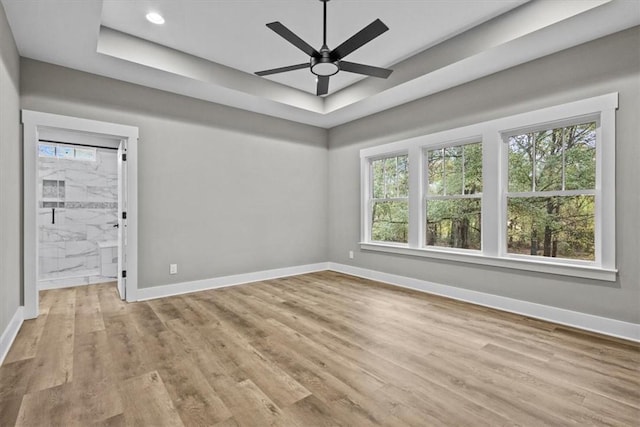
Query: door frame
(33, 121)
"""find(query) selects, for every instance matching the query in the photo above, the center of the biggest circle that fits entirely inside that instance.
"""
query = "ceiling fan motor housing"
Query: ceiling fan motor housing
(324, 66)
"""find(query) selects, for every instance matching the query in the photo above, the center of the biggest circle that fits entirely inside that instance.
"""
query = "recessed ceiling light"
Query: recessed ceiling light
(155, 18)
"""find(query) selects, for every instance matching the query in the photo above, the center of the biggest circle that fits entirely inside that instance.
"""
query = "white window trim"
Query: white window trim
(368, 199)
(492, 134)
(425, 197)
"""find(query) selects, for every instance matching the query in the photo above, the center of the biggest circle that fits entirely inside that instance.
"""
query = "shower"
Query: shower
(77, 213)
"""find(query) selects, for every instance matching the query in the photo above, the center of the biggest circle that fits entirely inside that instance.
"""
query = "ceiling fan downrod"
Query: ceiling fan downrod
(324, 66)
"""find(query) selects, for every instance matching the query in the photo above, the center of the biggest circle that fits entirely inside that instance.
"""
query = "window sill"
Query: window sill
(541, 266)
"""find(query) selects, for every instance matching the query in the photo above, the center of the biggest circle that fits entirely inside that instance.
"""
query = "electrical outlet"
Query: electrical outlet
(173, 268)
(350, 254)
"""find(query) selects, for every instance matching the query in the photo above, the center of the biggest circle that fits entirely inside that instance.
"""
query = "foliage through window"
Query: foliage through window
(551, 198)
(453, 196)
(390, 199)
(532, 191)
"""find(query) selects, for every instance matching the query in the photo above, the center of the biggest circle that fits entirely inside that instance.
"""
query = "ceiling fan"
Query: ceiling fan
(325, 62)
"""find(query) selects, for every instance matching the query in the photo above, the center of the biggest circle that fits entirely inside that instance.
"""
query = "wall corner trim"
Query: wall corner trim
(224, 281)
(588, 322)
(10, 333)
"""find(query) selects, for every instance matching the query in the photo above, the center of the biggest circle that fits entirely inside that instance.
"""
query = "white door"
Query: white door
(122, 218)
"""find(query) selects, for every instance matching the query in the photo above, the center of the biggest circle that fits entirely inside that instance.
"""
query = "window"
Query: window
(65, 152)
(68, 153)
(453, 196)
(533, 191)
(551, 198)
(46, 150)
(88, 154)
(390, 199)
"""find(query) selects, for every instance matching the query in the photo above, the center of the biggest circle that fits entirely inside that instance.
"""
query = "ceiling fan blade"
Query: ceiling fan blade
(358, 40)
(323, 85)
(282, 69)
(289, 36)
(367, 70)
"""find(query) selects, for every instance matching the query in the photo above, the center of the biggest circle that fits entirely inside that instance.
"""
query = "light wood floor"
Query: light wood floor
(322, 349)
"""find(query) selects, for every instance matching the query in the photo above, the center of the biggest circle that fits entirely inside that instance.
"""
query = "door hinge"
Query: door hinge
(124, 215)
(124, 157)
(124, 273)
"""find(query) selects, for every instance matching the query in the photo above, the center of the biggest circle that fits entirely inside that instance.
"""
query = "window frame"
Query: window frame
(426, 197)
(493, 135)
(370, 199)
(592, 192)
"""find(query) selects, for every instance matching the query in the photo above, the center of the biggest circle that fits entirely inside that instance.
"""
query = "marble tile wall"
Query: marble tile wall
(85, 204)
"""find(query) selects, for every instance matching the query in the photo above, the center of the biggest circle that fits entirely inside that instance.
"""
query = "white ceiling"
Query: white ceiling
(233, 33)
(208, 49)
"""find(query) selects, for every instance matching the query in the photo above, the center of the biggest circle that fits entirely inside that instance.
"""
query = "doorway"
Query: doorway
(80, 210)
(77, 209)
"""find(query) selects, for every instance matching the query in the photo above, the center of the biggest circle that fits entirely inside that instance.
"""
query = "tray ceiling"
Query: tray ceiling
(210, 49)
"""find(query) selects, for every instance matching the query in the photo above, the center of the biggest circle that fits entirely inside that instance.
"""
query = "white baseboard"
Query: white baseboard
(602, 325)
(10, 333)
(221, 282)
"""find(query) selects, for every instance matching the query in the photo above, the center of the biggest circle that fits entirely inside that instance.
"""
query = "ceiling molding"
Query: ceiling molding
(530, 31)
(133, 49)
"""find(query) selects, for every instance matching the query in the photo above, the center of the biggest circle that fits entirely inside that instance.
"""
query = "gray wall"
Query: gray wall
(606, 65)
(10, 176)
(221, 191)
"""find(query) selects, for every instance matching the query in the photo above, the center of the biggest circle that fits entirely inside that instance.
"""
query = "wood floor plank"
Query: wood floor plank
(213, 365)
(222, 312)
(94, 389)
(14, 378)
(415, 409)
(88, 313)
(147, 402)
(352, 406)
(9, 410)
(53, 363)
(580, 378)
(268, 376)
(311, 350)
(48, 407)
(164, 309)
(110, 302)
(343, 369)
(126, 345)
(311, 411)
(145, 319)
(115, 421)
(251, 407)
(26, 343)
(435, 397)
(190, 312)
(607, 411)
(195, 400)
(229, 422)
(562, 405)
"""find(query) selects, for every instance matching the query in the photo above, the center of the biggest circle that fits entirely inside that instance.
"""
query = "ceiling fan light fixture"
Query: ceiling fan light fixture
(324, 67)
(155, 18)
